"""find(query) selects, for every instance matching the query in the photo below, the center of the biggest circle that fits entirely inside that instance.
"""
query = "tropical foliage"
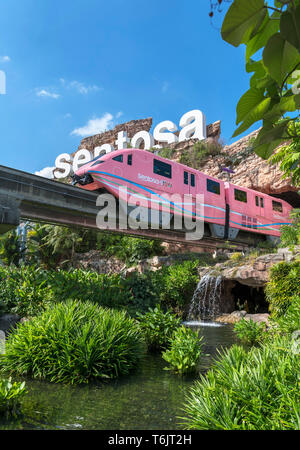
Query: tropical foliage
(290, 234)
(158, 327)
(10, 395)
(185, 351)
(248, 390)
(10, 248)
(74, 342)
(283, 286)
(270, 32)
(249, 332)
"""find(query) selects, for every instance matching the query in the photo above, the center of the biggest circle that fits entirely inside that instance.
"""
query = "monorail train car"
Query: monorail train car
(229, 211)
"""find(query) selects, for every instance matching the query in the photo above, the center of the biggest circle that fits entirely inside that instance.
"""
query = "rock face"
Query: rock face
(8, 321)
(93, 261)
(236, 316)
(256, 274)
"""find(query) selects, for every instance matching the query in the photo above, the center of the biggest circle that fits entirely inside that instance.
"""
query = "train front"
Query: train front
(84, 175)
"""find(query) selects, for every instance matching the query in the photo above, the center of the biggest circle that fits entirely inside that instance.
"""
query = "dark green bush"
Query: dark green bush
(10, 395)
(254, 390)
(24, 290)
(158, 327)
(74, 342)
(128, 249)
(283, 285)
(290, 321)
(10, 248)
(290, 234)
(249, 332)
(185, 351)
(178, 284)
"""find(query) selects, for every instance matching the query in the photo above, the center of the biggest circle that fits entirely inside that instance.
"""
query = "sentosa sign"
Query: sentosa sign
(192, 124)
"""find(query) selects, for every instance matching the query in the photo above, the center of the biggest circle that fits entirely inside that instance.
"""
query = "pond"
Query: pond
(149, 399)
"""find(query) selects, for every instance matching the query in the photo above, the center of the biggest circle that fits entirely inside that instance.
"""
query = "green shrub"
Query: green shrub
(290, 234)
(74, 342)
(10, 395)
(254, 390)
(158, 327)
(10, 248)
(24, 290)
(128, 249)
(178, 284)
(283, 285)
(185, 350)
(249, 332)
(290, 321)
(199, 153)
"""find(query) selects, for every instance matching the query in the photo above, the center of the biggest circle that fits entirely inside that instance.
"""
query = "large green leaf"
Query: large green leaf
(280, 57)
(248, 102)
(286, 104)
(269, 138)
(271, 26)
(241, 19)
(290, 27)
(255, 114)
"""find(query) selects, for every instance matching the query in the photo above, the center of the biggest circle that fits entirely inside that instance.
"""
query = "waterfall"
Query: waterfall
(205, 303)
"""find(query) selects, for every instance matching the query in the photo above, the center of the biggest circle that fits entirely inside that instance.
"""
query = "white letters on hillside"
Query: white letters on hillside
(160, 134)
(192, 123)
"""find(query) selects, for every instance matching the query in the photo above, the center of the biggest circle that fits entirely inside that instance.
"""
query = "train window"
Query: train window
(212, 186)
(118, 158)
(262, 202)
(240, 196)
(256, 201)
(129, 160)
(277, 206)
(192, 180)
(185, 178)
(162, 168)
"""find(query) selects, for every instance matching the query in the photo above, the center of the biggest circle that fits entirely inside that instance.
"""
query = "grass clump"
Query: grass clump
(254, 390)
(10, 395)
(249, 332)
(185, 351)
(74, 342)
(158, 327)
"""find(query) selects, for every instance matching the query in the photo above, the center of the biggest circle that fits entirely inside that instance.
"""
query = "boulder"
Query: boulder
(8, 321)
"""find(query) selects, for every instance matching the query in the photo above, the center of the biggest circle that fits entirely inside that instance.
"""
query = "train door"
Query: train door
(259, 205)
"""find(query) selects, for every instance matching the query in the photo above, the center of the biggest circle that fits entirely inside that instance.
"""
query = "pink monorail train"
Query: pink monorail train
(229, 210)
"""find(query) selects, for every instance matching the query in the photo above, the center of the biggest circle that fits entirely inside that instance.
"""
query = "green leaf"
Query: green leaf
(247, 102)
(290, 26)
(269, 138)
(241, 19)
(287, 103)
(253, 116)
(261, 38)
(280, 58)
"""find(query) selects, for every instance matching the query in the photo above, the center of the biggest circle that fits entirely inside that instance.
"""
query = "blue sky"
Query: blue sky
(68, 62)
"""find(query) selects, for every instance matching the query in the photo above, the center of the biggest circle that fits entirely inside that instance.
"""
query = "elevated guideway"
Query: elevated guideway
(24, 196)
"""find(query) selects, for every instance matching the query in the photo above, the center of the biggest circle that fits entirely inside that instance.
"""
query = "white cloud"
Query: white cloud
(67, 116)
(119, 114)
(81, 88)
(95, 126)
(4, 59)
(45, 93)
(47, 172)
